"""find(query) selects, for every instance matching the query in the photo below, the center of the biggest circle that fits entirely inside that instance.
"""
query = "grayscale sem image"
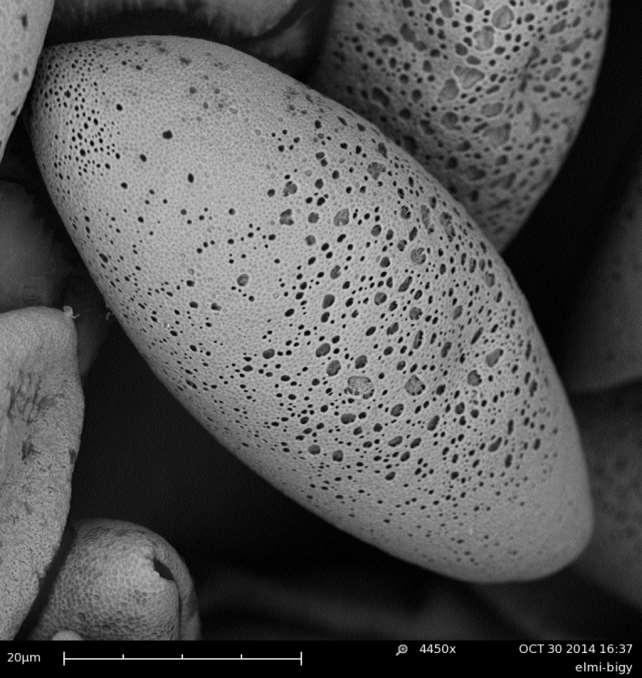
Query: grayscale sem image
(321, 320)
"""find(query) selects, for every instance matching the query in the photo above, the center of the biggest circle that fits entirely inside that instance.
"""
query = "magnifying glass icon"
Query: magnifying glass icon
(401, 649)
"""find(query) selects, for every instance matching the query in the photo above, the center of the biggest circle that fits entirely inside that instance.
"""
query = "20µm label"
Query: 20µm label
(22, 658)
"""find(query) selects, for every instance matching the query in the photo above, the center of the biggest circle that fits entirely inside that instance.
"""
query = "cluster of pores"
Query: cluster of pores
(330, 305)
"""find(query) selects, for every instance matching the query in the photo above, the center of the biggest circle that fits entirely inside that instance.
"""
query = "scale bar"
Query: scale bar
(66, 658)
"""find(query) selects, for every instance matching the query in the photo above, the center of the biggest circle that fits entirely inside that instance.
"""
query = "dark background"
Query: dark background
(551, 253)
